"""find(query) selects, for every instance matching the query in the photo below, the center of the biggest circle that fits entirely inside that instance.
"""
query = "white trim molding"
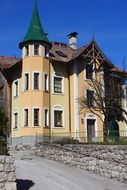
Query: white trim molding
(15, 111)
(25, 126)
(47, 117)
(24, 81)
(15, 88)
(76, 105)
(46, 87)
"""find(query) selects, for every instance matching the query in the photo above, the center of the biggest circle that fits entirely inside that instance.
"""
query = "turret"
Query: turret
(35, 42)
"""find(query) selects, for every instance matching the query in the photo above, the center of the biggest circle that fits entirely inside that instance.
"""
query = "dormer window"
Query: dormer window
(36, 49)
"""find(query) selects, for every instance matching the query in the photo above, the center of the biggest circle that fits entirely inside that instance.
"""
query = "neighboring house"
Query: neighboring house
(5, 87)
(47, 83)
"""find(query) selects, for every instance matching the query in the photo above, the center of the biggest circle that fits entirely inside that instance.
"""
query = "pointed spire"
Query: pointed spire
(35, 31)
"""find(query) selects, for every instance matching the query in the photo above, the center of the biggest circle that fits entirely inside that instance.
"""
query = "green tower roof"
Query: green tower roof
(35, 31)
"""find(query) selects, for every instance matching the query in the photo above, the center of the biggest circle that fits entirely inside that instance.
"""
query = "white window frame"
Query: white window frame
(46, 83)
(25, 51)
(60, 75)
(15, 91)
(47, 118)
(24, 84)
(24, 117)
(39, 85)
(36, 126)
(58, 108)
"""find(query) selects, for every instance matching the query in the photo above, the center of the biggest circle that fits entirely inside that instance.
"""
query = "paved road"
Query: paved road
(35, 173)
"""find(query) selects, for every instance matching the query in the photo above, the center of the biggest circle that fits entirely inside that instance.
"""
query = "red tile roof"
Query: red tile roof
(61, 52)
(7, 62)
(69, 54)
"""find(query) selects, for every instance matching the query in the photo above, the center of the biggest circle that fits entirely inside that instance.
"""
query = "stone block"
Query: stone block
(9, 168)
(9, 160)
(10, 186)
(2, 159)
(11, 177)
(1, 167)
(2, 177)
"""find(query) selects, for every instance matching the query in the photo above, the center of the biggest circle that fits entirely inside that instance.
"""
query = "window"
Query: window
(36, 81)
(46, 118)
(25, 117)
(46, 51)
(15, 120)
(58, 118)
(26, 50)
(26, 87)
(15, 88)
(90, 98)
(46, 81)
(57, 85)
(36, 117)
(36, 49)
(89, 71)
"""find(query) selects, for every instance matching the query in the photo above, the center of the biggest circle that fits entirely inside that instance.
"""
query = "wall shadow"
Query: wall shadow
(24, 184)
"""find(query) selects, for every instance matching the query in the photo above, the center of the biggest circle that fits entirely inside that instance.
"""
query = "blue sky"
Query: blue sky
(106, 19)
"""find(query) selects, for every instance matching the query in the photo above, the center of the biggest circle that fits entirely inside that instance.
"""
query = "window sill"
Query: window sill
(59, 94)
(26, 56)
(36, 89)
(46, 91)
(25, 91)
(37, 126)
(15, 97)
(15, 129)
(59, 127)
(89, 80)
(36, 55)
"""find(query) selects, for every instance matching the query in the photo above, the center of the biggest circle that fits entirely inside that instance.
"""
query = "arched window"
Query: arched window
(58, 116)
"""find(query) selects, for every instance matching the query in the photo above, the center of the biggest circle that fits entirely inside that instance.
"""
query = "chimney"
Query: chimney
(73, 40)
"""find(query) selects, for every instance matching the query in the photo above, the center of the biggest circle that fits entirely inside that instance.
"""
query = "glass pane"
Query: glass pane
(58, 118)
(36, 80)
(57, 85)
(36, 117)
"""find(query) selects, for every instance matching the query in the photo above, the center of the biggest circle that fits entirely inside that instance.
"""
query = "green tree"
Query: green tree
(3, 132)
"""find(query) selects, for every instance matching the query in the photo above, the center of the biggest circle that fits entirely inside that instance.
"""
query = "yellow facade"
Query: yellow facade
(49, 84)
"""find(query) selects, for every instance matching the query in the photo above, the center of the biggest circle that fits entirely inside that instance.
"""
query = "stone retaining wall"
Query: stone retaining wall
(7, 173)
(109, 161)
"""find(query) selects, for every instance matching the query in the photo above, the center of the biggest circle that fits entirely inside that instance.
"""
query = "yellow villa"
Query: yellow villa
(47, 83)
